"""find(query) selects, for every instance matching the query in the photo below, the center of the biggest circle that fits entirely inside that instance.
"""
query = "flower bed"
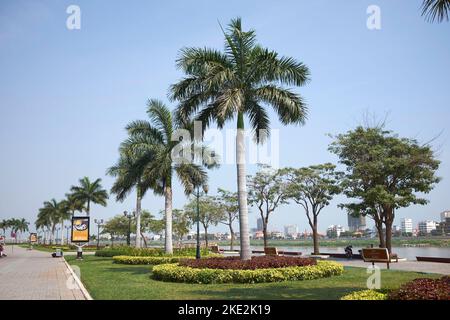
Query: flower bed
(366, 295)
(418, 289)
(261, 262)
(423, 289)
(147, 260)
(146, 252)
(178, 273)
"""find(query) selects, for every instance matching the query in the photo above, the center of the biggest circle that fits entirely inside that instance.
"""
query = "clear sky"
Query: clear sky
(66, 95)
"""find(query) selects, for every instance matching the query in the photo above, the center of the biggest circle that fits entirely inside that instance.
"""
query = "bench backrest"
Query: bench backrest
(215, 249)
(375, 254)
(271, 251)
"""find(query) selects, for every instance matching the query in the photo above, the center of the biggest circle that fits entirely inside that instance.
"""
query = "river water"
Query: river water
(409, 253)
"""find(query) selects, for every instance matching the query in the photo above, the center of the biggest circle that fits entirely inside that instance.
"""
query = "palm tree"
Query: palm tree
(222, 86)
(125, 182)
(154, 168)
(435, 10)
(4, 225)
(73, 204)
(49, 215)
(88, 192)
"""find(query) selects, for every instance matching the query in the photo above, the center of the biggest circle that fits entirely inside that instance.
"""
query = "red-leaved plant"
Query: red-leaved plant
(423, 289)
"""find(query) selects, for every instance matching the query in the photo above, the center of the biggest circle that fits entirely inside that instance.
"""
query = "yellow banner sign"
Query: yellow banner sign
(80, 229)
(33, 237)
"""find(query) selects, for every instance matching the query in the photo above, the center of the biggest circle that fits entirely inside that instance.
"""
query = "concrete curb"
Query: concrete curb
(78, 281)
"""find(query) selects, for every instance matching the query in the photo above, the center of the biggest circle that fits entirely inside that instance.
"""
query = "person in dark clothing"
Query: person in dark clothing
(349, 251)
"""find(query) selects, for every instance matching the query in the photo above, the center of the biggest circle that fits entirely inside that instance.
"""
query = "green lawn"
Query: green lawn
(105, 280)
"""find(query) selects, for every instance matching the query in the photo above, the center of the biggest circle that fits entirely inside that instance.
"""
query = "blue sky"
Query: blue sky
(66, 95)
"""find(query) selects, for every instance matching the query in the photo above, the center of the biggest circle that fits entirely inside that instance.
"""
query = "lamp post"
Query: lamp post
(129, 216)
(197, 251)
(99, 223)
(67, 233)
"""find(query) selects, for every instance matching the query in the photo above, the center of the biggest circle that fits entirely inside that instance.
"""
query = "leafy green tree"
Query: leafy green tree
(435, 10)
(210, 213)
(313, 188)
(181, 224)
(229, 85)
(89, 192)
(384, 173)
(116, 226)
(267, 191)
(155, 142)
(228, 202)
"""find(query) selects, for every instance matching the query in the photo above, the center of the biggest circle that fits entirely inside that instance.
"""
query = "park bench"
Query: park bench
(378, 255)
(270, 251)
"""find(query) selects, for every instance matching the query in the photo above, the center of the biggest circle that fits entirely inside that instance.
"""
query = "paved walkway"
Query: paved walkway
(35, 275)
(417, 266)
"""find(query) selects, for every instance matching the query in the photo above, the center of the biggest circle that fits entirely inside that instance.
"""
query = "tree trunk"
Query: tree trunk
(138, 217)
(379, 227)
(168, 211)
(88, 208)
(389, 236)
(62, 233)
(265, 233)
(145, 240)
(232, 237)
(315, 239)
(242, 189)
(206, 237)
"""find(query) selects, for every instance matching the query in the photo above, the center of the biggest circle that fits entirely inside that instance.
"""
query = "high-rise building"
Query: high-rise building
(356, 223)
(425, 227)
(444, 215)
(407, 225)
(291, 231)
(334, 231)
(259, 224)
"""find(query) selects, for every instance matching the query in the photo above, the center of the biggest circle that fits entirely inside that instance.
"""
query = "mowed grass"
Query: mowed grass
(106, 280)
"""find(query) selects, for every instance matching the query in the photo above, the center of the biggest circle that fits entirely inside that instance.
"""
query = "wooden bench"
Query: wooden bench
(378, 255)
(270, 251)
(215, 249)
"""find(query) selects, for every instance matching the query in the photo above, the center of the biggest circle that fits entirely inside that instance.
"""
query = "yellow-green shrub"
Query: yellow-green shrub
(147, 260)
(366, 295)
(176, 273)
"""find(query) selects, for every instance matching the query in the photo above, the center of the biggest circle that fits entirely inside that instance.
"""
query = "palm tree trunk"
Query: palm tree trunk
(143, 238)
(242, 189)
(138, 218)
(62, 232)
(168, 211)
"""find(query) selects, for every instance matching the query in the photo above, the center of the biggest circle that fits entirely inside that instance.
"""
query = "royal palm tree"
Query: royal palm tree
(125, 182)
(241, 81)
(4, 225)
(89, 192)
(154, 168)
(49, 215)
(435, 10)
(73, 204)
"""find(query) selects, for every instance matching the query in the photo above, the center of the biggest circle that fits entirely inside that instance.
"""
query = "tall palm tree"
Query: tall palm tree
(126, 181)
(89, 192)
(151, 141)
(73, 204)
(241, 81)
(50, 216)
(4, 225)
(436, 10)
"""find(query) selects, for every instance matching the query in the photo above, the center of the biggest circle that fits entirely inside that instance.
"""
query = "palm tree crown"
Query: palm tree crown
(89, 192)
(436, 10)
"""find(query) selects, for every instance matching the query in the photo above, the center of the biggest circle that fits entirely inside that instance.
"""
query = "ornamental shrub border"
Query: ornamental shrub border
(147, 260)
(366, 295)
(147, 252)
(176, 273)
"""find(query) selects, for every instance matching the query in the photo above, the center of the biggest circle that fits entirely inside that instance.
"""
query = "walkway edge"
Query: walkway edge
(78, 281)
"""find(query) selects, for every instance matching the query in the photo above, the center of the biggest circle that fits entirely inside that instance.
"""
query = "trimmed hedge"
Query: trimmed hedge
(147, 260)
(146, 252)
(366, 295)
(176, 273)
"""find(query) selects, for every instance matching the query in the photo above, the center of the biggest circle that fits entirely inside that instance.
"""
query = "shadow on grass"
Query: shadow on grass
(133, 269)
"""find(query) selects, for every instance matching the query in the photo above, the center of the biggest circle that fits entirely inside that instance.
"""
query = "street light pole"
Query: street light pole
(99, 223)
(129, 216)
(197, 251)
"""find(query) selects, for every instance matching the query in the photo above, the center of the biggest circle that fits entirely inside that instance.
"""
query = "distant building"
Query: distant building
(356, 223)
(291, 231)
(407, 225)
(276, 235)
(444, 215)
(334, 231)
(443, 228)
(258, 235)
(425, 227)
(259, 224)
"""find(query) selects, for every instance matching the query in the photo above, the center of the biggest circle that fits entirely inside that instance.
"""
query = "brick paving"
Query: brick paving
(35, 275)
